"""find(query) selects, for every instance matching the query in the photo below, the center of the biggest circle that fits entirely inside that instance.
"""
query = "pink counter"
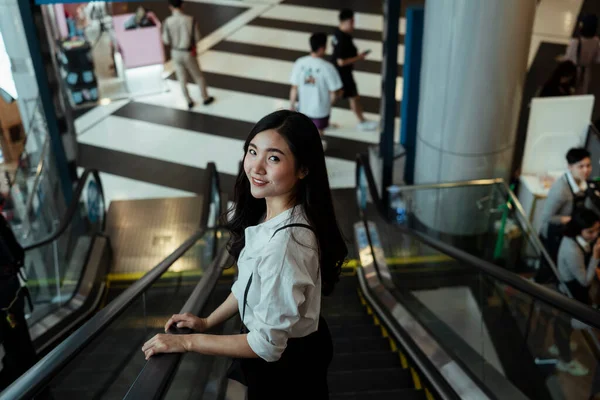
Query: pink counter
(142, 46)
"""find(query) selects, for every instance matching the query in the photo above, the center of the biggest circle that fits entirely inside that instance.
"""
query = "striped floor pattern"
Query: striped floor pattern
(153, 146)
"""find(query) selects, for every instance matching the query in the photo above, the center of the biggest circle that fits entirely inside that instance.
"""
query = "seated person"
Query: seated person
(566, 194)
(578, 258)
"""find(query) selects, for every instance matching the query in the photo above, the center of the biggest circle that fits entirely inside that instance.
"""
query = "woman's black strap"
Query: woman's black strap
(252, 274)
(293, 225)
(246, 297)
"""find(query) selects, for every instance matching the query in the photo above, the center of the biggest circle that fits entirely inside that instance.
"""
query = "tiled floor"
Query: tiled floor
(247, 52)
(154, 145)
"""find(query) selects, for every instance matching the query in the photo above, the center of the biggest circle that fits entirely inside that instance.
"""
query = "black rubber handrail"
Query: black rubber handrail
(73, 208)
(154, 379)
(552, 298)
(37, 377)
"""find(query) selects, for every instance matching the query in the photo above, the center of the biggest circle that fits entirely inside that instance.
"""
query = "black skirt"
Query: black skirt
(300, 373)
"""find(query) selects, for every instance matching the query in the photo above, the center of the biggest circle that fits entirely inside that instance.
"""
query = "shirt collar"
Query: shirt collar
(583, 243)
(574, 186)
(278, 219)
(176, 11)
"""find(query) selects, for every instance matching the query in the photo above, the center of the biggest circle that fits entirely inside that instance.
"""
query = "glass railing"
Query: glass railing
(515, 345)
(518, 339)
(35, 200)
(100, 359)
(54, 265)
(109, 365)
(483, 218)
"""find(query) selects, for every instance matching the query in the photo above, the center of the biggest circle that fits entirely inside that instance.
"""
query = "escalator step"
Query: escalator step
(348, 330)
(364, 360)
(401, 394)
(367, 379)
(357, 318)
(359, 344)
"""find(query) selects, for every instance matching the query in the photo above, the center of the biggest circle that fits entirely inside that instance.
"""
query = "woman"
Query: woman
(289, 250)
(578, 258)
(584, 51)
(562, 82)
(565, 195)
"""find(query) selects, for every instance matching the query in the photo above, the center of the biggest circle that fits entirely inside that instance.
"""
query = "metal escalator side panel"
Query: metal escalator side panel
(415, 339)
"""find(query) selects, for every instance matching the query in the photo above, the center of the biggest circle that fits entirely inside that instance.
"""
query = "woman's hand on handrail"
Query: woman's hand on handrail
(187, 320)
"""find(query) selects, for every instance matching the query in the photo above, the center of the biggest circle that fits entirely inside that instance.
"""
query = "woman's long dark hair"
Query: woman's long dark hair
(580, 220)
(312, 193)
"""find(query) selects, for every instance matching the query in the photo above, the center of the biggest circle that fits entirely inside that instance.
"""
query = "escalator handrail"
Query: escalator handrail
(554, 299)
(154, 379)
(41, 373)
(37, 377)
(73, 208)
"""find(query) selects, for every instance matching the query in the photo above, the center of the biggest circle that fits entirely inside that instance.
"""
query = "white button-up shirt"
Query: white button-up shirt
(576, 188)
(284, 299)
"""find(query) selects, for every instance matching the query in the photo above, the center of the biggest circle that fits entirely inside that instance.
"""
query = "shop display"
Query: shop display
(77, 70)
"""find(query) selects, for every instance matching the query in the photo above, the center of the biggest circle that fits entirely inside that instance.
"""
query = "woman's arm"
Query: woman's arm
(221, 345)
(225, 311)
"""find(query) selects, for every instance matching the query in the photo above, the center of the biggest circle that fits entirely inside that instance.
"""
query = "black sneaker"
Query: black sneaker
(209, 100)
(191, 105)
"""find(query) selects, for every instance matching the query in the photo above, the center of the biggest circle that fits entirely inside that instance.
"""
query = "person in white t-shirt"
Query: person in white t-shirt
(316, 84)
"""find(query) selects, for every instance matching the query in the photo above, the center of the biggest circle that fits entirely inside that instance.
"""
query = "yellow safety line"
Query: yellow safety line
(384, 331)
(393, 345)
(403, 360)
(134, 276)
(156, 285)
(416, 379)
(428, 394)
(354, 263)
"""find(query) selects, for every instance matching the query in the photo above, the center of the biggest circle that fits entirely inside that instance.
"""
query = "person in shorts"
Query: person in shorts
(344, 56)
(315, 84)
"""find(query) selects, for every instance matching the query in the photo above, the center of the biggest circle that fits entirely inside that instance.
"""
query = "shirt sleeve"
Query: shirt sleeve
(284, 277)
(552, 205)
(591, 270)
(296, 72)
(334, 82)
(572, 261)
(165, 34)
(571, 53)
(196, 33)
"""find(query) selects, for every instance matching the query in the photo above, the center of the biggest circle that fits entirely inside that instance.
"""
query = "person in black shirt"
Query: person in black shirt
(344, 56)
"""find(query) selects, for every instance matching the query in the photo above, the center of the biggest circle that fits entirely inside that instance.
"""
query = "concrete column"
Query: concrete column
(472, 78)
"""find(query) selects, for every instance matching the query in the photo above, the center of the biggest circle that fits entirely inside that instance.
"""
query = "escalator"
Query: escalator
(472, 298)
(365, 364)
(420, 317)
(93, 255)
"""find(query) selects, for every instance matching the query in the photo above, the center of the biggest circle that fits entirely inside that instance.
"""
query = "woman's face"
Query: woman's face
(270, 166)
(581, 170)
(591, 234)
